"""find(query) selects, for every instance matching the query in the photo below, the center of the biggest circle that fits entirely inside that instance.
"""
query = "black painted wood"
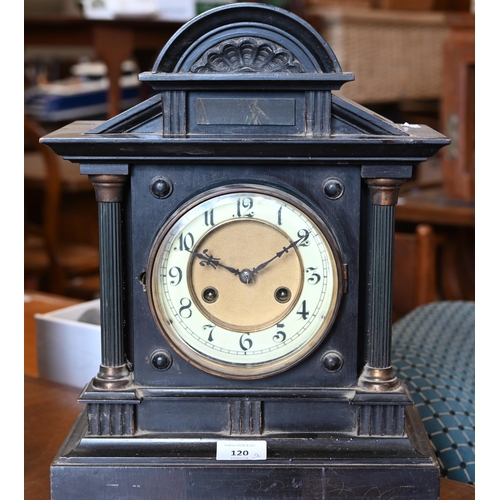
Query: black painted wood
(245, 97)
(381, 288)
(112, 350)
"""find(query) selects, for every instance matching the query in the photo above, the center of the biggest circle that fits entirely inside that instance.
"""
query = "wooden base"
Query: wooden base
(148, 468)
(50, 410)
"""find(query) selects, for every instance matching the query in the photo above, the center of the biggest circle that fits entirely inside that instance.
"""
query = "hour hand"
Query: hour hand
(209, 260)
(259, 268)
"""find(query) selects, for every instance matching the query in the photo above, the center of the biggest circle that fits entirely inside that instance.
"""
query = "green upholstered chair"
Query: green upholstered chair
(433, 353)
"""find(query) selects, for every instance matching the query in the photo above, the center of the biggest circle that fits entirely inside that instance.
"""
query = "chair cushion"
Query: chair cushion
(433, 352)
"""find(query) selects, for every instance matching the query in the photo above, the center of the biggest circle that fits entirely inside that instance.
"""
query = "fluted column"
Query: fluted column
(378, 373)
(113, 372)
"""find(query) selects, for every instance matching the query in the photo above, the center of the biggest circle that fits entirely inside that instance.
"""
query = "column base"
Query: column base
(112, 377)
(378, 379)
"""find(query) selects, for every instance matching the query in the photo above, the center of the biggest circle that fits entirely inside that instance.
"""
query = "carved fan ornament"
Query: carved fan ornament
(247, 55)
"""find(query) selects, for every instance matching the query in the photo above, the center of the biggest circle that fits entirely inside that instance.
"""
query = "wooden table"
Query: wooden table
(434, 206)
(50, 411)
(113, 41)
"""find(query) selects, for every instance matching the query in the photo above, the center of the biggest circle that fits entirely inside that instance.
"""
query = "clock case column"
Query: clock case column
(113, 372)
(383, 400)
(338, 423)
(107, 412)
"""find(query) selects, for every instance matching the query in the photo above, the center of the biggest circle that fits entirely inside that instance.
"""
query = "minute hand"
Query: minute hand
(259, 268)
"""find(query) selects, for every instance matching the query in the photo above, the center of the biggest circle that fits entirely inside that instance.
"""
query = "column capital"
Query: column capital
(108, 187)
(384, 192)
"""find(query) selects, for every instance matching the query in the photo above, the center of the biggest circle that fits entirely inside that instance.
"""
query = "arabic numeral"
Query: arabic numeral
(280, 335)
(185, 310)
(279, 216)
(176, 274)
(209, 218)
(314, 278)
(210, 329)
(304, 234)
(239, 453)
(186, 242)
(245, 342)
(303, 310)
(243, 207)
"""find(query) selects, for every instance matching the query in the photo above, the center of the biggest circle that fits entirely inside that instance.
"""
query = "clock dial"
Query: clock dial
(244, 281)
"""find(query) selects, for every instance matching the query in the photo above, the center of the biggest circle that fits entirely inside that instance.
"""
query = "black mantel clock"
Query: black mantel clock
(246, 218)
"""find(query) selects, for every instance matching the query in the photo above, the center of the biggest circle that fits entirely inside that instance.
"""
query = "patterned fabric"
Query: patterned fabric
(433, 353)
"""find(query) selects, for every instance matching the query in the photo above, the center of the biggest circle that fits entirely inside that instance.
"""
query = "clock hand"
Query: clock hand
(246, 276)
(259, 268)
(210, 260)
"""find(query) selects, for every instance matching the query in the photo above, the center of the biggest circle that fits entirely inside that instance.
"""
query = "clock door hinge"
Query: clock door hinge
(345, 276)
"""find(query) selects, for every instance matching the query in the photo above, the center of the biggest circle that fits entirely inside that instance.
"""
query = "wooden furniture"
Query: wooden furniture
(415, 269)
(454, 223)
(450, 207)
(458, 107)
(50, 410)
(431, 205)
(78, 218)
(373, 43)
(61, 266)
(113, 41)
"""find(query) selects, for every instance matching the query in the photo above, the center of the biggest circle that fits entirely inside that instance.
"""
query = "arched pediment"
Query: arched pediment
(278, 41)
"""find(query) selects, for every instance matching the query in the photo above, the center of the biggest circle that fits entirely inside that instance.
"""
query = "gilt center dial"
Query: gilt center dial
(226, 263)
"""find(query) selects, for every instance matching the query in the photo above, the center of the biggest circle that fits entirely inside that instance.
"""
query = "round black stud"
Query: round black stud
(282, 294)
(161, 360)
(333, 189)
(332, 361)
(161, 187)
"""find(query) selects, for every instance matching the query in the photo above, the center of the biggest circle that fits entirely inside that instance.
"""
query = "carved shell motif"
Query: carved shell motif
(247, 55)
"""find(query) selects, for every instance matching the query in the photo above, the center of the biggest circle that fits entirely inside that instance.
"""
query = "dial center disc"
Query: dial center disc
(246, 295)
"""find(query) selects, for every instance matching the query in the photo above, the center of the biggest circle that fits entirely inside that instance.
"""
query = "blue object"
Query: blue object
(433, 354)
(83, 95)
